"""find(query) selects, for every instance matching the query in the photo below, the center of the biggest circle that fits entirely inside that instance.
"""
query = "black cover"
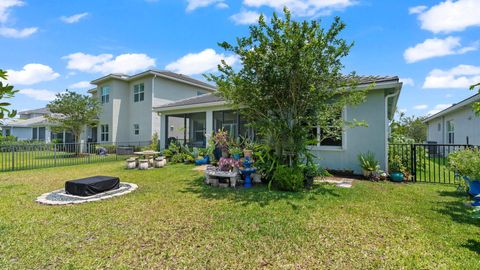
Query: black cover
(91, 185)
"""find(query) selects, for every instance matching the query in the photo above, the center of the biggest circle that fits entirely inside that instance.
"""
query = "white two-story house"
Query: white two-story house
(127, 104)
(457, 124)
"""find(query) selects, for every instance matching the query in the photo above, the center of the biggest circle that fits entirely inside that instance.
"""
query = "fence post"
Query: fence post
(13, 157)
(54, 155)
(413, 158)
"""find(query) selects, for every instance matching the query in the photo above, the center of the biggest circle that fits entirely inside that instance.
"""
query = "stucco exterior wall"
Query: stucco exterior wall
(360, 139)
(122, 113)
(356, 140)
(467, 124)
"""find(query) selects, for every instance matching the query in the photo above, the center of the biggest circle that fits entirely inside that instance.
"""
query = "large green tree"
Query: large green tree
(411, 127)
(290, 81)
(72, 112)
(6, 91)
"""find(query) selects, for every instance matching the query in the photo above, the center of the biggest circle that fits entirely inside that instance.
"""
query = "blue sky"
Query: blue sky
(48, 46)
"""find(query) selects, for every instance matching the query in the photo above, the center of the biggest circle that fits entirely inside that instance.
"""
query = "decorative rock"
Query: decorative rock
(143, 164)
(257, 178)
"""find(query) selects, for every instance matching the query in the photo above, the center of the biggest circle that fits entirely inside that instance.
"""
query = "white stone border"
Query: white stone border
(43, 198)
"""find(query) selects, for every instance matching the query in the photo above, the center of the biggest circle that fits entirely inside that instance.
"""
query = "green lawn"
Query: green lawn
(173, 221)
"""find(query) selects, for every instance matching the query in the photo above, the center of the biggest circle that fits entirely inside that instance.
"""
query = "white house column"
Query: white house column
(163, 131)
(208, 125)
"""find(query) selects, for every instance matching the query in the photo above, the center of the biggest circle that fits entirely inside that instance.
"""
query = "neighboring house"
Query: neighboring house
(457, 124)
(127, 104)
(198, 117)
(32, 125)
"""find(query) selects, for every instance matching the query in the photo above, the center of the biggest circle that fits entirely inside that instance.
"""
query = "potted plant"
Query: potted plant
(248, 147)
(235, 152)
(467, 164)
(221, 142)
(396, 168)
(368, 163)
(310, 171)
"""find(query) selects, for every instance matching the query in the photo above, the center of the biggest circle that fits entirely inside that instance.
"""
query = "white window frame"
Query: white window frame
(138, 90)
(451, 130)
(136, 129)
(343, 147)
(105, 97)
(104, 133)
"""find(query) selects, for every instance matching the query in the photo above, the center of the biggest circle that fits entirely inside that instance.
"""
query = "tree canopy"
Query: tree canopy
(411, 127)
(72, 112)
(290, 81)
(6, 91)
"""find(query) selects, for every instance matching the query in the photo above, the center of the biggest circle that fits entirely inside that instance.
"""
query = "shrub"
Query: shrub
(265, 161)
(288, 178)
(368, 162)
(466, 163)
(167, 153)
(177, 158)
(395, 164)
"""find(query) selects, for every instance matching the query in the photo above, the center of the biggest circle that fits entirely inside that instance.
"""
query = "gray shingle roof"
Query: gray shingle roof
(31, 122)
(41, 110)
(205, 98)
(211, 97)
(183, 77)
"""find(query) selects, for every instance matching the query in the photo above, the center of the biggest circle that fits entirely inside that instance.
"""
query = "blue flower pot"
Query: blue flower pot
(474, 190)
(396, 176)
(236, 156)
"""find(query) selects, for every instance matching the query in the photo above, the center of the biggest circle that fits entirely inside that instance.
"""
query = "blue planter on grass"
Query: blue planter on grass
(474, 190)
(203, 161)
(396, 176)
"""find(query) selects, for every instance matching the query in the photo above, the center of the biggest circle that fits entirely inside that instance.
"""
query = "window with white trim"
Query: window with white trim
(136, 129)
(104, 133)
(330, 137)
(105, 92)
(451, 132)
(138, 92)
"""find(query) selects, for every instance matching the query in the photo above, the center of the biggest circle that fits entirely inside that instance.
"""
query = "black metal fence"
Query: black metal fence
(427, 162)
(43, 155)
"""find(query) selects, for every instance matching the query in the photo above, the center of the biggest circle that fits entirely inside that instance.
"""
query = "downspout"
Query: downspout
(387, 126)
(153, 96)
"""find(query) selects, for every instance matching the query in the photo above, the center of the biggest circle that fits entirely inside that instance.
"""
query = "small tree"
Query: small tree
(6, 91)
(476, 105)
(290, 82)
(72, 112)
(410, 127)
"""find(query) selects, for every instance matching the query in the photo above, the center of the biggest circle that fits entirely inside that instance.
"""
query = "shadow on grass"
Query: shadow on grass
(457, 209)
(257, 194)
(473, 245)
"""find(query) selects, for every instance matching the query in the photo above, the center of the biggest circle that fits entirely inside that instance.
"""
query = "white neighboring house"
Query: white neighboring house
(457, 124)
(32, 125)
(127, 104)
(198, 117)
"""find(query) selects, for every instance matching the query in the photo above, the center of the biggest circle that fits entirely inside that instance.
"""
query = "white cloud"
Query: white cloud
(407, 81)
(461, 76)
(420, 107)
(5, 5)
(448, 95)
(17, 33)
(417, 9)
(39, 94)
(80, 85)
(10, 32)
(245, 17)
(450, 16)
(194, 4)
(438, 108)
(436, 47)
(31, 74)
(106, 63)
(198, 63)
(303, 7)
(74, 18)
(221, 5)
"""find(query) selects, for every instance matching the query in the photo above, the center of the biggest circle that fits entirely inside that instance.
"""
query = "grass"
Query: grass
(174, 221)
